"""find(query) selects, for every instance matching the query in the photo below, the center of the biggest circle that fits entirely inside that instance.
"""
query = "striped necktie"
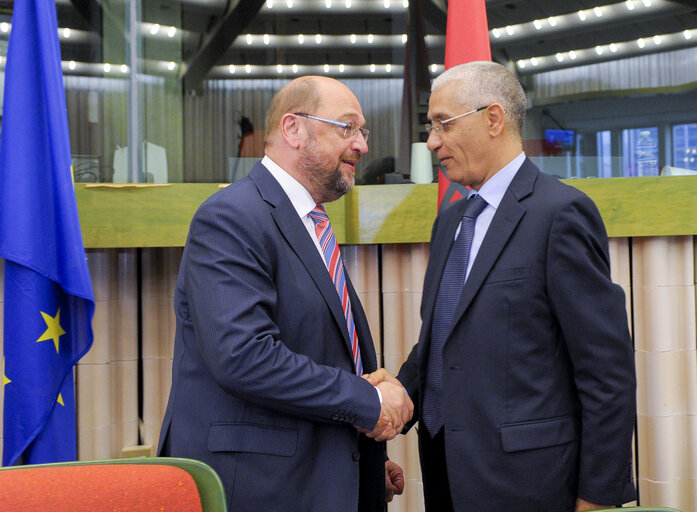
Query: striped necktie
(449, 292)
(332, 258)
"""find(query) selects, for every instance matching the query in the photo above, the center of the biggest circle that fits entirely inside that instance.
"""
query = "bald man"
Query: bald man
(270, 348)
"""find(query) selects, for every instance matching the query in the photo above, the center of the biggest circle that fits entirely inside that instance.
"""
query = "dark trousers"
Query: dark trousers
(435, 472)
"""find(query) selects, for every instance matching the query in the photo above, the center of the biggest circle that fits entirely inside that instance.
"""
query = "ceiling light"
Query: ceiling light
(341, 68)
(657, 40)
(434, 68)
(328, 4)
(647, 3)
(387, 4)
(534, 61)
(295, 68)
(231, 68)
(72, 64)
(406, 4)
(249, 38)
(66, 33)
(613, 47)
(537, 24)
(301, 39)
(267, 39)
(372, 68)
(598, 12)
(248, 68)
(124, 68)
(107, 67)
(4, 27)
(171, 31)
(599, 50)
(171, 65)
(687, 34)
(582, 15)
(279, 69)
(560, 57)
(388, 67)
(154, 29)
(630, 5)
(509, 30)
(521, 64)
(289, 3)
(326, 68)
(404, 38)
(269, 4)
(348, 4)
(552, 21)
(353, 38)
(370, 38)
(572, 55)
(318, 38)
(496, 32)
(640, 42)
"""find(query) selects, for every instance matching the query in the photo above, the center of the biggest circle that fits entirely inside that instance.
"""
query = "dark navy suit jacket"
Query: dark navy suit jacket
(263, 387)
(538, 367)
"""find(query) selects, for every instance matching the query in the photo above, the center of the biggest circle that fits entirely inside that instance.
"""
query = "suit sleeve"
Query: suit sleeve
(231, 299)
(593, 319)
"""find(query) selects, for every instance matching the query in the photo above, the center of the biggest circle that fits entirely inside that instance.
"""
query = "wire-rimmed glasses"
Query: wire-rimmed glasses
(351, 128)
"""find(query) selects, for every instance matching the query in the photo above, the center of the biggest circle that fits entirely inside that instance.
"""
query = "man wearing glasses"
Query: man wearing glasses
(523, 375)
(271, 340)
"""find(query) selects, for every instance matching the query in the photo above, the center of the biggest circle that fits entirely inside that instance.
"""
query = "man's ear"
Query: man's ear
(496, 119)
(291, 130)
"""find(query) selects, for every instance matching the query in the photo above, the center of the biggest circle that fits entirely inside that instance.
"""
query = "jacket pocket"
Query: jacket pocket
(253, 438)
(509, 274)
(530, 435)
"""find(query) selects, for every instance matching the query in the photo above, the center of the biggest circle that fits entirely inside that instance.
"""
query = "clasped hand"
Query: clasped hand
(396, 409)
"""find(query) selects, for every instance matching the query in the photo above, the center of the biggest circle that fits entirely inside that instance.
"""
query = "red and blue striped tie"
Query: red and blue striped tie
(332, 258)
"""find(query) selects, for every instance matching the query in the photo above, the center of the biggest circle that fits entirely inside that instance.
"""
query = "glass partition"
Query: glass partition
(163, 91)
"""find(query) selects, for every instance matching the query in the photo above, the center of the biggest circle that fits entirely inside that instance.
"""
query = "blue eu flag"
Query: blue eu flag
(48, 296)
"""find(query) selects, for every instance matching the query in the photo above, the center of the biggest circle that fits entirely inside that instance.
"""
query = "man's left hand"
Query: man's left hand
(394, 480)
(582, 505)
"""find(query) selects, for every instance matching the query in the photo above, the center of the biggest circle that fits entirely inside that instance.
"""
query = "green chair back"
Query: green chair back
(207, 481)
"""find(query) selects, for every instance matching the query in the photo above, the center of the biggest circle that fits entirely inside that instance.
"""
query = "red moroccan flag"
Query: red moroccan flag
(466, 40)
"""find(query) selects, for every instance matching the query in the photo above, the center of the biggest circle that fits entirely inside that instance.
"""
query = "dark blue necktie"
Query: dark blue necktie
(449, 292)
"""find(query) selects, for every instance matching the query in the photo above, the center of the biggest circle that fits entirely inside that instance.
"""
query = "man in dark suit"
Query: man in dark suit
(523, 378)
(267, 383)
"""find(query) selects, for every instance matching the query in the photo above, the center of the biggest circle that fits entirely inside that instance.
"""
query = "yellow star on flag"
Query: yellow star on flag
(5, 380)
(60, 399)
(53, 328)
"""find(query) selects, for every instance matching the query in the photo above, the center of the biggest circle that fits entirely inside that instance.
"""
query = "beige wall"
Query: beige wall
(657, 274)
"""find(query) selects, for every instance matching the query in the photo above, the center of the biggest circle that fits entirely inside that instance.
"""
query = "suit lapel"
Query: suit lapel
(441, 244)
(293, 230)
(504, 223)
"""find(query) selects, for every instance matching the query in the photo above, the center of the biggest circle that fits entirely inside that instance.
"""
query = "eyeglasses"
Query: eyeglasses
(439, 126)
(350, 128)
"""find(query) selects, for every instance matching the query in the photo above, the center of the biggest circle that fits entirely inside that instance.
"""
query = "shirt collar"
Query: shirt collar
(299, 196)
(495, 187)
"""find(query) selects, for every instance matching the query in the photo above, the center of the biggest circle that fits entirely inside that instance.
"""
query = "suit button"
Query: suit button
(335, 417)
(356, 456)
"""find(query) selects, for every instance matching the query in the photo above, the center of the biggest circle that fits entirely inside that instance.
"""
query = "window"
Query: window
(685, 146)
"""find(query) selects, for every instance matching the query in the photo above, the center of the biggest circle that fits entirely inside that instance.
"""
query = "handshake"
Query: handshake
(396, 408)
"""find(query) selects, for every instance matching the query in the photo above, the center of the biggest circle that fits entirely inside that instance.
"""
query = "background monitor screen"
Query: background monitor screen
(563, 139)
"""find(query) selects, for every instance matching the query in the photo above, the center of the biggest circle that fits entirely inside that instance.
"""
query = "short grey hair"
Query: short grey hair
(482, 83)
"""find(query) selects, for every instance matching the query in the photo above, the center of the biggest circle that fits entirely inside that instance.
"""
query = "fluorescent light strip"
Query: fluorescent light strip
(612, 51)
